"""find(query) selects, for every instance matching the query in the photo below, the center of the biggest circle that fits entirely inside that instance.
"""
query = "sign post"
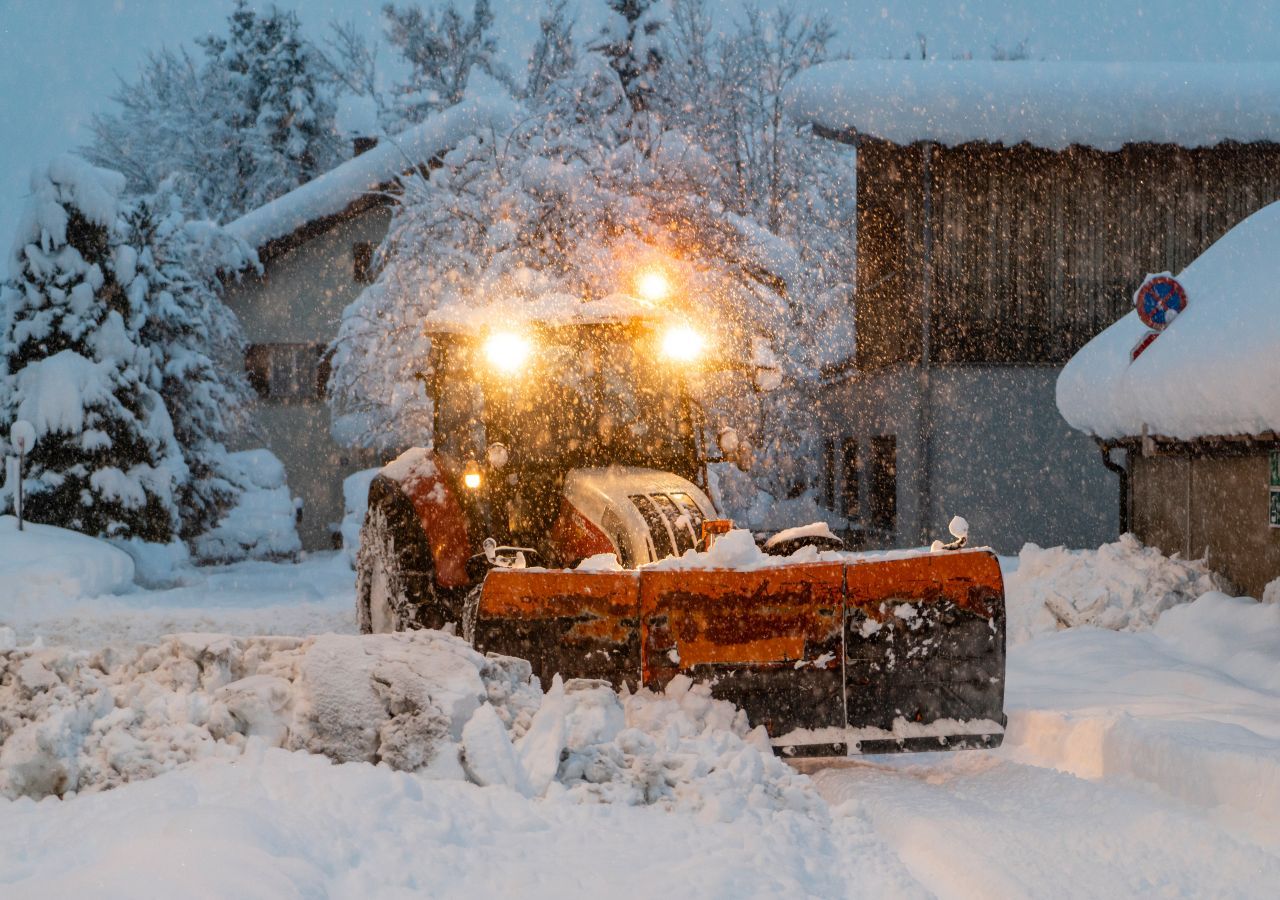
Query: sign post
(23, 437)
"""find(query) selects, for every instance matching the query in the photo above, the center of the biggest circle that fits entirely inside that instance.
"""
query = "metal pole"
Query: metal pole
(22, 459)
(925, 496)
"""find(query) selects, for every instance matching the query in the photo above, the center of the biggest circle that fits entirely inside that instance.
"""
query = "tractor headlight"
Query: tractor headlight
(507, 352)
(471, 475)
(653, 286)
(683, 344)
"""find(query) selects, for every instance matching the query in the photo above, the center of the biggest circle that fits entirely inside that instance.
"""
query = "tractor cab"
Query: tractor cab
(575, 439)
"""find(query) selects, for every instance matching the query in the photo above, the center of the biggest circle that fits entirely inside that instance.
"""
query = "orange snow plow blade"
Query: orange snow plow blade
(872, 656)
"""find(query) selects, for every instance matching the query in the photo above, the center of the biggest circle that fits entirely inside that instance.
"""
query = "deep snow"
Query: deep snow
(1214, 370)
(1136, 761)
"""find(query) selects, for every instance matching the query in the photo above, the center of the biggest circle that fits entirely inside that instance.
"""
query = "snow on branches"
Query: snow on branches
(72, 362)
(251, 121)
(118, 349)
(569, 206)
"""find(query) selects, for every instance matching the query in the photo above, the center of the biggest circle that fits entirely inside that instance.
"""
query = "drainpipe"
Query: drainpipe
(926, 348)
(1123, 472)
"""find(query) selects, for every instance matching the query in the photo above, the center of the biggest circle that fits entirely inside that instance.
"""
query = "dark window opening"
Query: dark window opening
(288, 372)
(850, 495)
(662, 545)
(884, 482)
(362, 262)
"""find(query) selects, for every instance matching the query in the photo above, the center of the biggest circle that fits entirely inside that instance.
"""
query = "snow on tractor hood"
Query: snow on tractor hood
(647, 513)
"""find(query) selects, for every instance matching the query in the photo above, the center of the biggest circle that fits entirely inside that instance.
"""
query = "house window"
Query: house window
(884, 482)
(850, 472)
(362, 262)
(829, 473)
(288, 372)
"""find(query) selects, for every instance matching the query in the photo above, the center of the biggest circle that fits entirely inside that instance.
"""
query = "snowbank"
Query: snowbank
(372, 170)
(1047, 104)
(421, 701)
(1213, 371)
(355, 503)
(1124, 586)
(42, 564)
(263, 524)
(312, 596)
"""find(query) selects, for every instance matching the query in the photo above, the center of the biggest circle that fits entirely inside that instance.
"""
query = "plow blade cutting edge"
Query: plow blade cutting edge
(873, 656)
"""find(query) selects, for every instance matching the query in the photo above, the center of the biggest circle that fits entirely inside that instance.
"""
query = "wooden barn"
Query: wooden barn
(1193, 402)
(1007, 211)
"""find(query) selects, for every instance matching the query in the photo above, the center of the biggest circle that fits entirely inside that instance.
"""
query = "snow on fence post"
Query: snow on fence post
(23, 437)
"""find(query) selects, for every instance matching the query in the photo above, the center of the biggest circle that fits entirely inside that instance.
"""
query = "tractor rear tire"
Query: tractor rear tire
(395, 573)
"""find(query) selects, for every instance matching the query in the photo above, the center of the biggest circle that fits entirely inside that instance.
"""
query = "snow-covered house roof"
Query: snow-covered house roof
(1214, 371)
(1046, 104)
(332, 194)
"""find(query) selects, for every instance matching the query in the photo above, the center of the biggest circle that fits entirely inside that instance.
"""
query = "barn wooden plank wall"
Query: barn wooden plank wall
(1035, 251)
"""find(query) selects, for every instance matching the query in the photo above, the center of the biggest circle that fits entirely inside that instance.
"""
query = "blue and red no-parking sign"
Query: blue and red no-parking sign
(1159, 301)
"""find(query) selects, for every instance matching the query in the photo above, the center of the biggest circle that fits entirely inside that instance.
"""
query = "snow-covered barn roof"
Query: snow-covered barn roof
(1046, 104)
(374, 170)
(1214, 371)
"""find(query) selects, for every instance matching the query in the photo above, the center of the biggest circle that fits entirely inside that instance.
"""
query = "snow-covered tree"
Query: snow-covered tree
(251, 121)
(555, 52)
(169, 269)
(632, 42)
(572, 204)
(74, 364)
(442, 48)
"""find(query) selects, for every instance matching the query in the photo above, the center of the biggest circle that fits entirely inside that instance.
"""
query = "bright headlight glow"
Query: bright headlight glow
(682, 344)
(507, 352)
(471, 475)
(653, 285)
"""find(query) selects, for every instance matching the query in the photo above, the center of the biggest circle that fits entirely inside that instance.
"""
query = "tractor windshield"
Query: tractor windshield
(583, 396)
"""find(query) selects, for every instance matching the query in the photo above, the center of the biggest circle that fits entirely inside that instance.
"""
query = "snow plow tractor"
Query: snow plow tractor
(553, 519)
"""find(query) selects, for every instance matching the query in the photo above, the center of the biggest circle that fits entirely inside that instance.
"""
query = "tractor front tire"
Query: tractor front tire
(395, 573)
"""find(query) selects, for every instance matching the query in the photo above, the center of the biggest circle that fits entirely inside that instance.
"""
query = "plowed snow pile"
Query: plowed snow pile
(421, 701)
(1123, 586)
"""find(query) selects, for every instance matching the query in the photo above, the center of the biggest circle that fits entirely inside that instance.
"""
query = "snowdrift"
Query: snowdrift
(422, 702)
(43, 564)
(1123, 586)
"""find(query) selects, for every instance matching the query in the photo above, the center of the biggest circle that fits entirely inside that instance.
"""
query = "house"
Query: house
(1193, 400)
(1007, 211)
(316, 247)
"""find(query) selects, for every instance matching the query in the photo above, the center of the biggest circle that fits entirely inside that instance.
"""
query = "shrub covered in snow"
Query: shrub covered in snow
(355, 503)
(1124, 586)
(263, 522)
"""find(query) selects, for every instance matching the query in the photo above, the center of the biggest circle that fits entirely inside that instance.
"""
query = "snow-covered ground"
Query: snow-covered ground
(1139, 761)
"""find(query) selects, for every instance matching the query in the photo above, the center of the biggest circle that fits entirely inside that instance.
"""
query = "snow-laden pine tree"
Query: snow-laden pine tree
(74, 364)
(250, 121)
(631, 39)
(442, 48)
(276, 102)
(169, 268)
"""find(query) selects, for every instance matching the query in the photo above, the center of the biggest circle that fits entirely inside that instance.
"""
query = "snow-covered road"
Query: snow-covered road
(1137, 763)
